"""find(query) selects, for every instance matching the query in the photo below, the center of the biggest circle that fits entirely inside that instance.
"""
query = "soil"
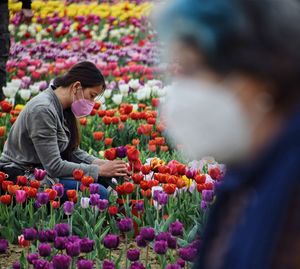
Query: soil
(14, 252)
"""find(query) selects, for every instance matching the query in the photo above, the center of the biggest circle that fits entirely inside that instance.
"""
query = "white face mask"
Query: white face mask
(207, 120)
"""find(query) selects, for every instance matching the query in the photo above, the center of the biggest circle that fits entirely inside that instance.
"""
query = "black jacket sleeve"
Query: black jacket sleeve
(26, 4)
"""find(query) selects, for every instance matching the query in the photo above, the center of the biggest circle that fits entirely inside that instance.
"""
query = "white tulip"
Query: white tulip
(124, 88)
(117, 98)
(85, 202)
(134, 84)
(141, 95)
(25, 94)
(135, 107)
(107, 93)
(35, 88)
(15, 83)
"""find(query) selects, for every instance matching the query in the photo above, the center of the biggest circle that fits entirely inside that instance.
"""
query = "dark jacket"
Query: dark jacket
(255, 222)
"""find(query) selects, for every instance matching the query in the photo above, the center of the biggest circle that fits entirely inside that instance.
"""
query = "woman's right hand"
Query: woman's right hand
(115, 168)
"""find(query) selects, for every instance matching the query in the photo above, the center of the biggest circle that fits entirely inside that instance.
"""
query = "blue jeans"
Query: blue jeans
(71, 184)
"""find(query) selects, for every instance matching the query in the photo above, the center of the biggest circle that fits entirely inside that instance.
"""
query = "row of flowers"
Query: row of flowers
(171, 196)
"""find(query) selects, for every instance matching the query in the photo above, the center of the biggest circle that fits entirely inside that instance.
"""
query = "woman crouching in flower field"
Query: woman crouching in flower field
(46, 134)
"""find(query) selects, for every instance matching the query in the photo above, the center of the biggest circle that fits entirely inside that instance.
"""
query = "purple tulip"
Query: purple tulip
(190, 173)
(155, 194)
(94, 188)
(59, 189)
(204, 205)
(37, 205)
(108, 265)
(16, 265)
(30, 234)
(140, 241)
(73, 249)
(137, 265)
(161, 247)
(51, 235)
(60, 242)
(42, 236)
(62, 229)
(133, 255)
(86, 245)
(125, 225)
(41, 264)
(31, 257)
(176, 228)
(181, 262)
(147, 233)
(196, 244)
(102, 204)
(172, 242)
(207, 195)
(3, 245)
(94, 199)
(121, 152)
(111, 241)
(162, 198)
(73, 238)
(39, 174)
(139, 206)
(42, 198)
(188, 253)
(61, 262)
(85, 264)
(44, 249)
(68, 208)
(163, 236)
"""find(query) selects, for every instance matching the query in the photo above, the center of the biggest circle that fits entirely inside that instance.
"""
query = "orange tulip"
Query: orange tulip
(34, 183)
(52, 194)
(135, 142)
(13, 188)
(98, 136)
(83, 121)
(108, 141)
(169, 188)
(2, 131)
(87, 180)
(71, 194)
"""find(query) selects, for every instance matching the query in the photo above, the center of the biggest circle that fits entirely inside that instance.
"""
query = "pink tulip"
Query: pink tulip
(20, 196)
(39, 174)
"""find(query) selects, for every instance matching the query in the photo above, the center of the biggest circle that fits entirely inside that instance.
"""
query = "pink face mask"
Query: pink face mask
(82, 107)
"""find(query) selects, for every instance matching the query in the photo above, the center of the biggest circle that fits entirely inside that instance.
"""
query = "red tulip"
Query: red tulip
(5, 199)
(137, 178)
(22, 180)
(110, 154)
(113, 210)
(133, 154)
(78, 174)
(128, 187)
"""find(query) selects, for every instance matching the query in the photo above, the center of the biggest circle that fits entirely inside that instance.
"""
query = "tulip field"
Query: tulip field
(154, 220)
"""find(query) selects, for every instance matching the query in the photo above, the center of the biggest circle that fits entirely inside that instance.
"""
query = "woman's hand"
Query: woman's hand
(115, 168)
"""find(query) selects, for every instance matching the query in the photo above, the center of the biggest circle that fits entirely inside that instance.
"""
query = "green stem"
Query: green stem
(126, 248)
(147, 255)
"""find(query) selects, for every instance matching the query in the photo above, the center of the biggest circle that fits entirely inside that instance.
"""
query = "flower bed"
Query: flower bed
(150, 221)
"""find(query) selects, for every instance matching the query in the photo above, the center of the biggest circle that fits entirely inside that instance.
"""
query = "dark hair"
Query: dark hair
(89, 76)
(257, 37)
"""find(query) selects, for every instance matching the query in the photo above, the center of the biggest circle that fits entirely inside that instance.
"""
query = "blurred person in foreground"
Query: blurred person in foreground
(237, 98)
(5, 36)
